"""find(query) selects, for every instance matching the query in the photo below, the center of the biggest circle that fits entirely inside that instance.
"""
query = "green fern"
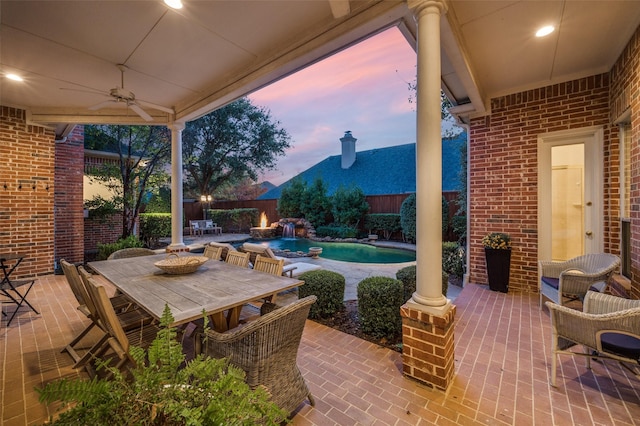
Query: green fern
(162, 390)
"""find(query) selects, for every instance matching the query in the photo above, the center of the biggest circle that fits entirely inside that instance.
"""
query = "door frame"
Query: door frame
(593, 139)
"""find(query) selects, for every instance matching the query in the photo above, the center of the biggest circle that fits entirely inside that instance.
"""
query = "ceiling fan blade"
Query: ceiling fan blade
(142, 113)
(155, 106)
(101, 105)
(93, 91)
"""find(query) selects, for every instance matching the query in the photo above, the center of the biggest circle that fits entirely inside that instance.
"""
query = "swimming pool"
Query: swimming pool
(346, 252)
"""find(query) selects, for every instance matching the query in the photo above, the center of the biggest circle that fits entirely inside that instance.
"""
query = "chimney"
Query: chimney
(348, 149)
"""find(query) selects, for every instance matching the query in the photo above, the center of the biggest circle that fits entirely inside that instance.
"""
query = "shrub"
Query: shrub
(292, 198)
(154, 226)
(408, 217)
(316, 207)
(349, 206)
(379, 302)
(328, 286)
(388, 223)
(336, 231)
(237, 220)
(407, 276)
(104, 250)
(453, 258)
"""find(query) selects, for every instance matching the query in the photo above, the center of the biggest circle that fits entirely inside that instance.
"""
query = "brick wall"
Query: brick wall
(103, 231)
(27, 191)
(625, 86)
(504, 167)
(69, 220)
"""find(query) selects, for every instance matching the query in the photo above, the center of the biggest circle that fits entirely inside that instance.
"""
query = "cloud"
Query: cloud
(363, 89)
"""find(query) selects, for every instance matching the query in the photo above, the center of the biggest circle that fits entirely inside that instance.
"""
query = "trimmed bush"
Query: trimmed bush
(388, 223)
(336, 232)
(235, 220)
(408, 217)
(328, 287)
(104, 250)
(407, 276)
(154, 226)
(379, 302)
(453, 258)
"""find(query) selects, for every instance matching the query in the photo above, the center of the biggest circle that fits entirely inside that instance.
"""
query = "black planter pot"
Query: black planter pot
(498, 265)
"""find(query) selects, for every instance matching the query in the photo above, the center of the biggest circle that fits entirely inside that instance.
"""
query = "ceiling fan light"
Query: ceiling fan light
(545, 31)
(175, 4)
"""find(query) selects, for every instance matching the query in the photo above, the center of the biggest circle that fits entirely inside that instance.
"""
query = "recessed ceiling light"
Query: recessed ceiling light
(176, 4)
(544, 31)
(14, 77)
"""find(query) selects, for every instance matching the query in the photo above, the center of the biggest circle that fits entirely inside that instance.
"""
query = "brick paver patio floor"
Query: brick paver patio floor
(501, 356)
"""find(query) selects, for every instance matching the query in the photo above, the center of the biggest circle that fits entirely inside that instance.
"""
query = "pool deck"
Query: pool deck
(353, 272)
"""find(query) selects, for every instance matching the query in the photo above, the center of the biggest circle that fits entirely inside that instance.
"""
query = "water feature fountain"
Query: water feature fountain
(289, 230)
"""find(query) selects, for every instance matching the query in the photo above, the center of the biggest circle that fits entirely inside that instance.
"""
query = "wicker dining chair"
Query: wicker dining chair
(131, 252)
(266, 349)
(608, 328)
(238, 258)
(570, 280)
(212, 252)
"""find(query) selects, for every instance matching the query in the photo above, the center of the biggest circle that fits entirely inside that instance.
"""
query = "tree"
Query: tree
(292, 198)
(316, 204)
(349, 206)
(142, 153)
(230, 144)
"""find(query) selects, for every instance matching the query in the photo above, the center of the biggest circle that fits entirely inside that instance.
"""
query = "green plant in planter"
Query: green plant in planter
(497, 240)
(206, 391)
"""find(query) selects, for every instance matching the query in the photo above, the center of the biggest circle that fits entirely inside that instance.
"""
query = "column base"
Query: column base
(428, 344)
(177, 248)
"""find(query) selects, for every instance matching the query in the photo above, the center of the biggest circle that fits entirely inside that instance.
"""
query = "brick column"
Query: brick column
(427, 346)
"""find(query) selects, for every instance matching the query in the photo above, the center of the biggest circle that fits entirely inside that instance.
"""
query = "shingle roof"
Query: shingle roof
(380, 171)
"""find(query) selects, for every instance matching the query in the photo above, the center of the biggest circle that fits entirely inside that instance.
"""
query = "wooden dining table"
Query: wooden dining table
(216, 289)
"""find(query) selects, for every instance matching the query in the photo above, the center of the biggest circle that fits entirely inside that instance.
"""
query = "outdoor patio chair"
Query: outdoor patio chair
(607, 328)
(119, 340)
(226, 248)
(131, 252)
(212, 252)
(572, 279)
(268, 265)
(258, 249)
(237, 258)
(129, 318)
(266, 349)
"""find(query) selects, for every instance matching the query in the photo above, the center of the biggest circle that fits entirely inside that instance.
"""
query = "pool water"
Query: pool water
(346, 252)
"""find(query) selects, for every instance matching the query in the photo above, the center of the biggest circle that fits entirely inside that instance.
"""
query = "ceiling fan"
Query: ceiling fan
(122, 95)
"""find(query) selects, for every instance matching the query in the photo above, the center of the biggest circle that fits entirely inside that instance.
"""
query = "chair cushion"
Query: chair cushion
(553, 282)
(621, 344)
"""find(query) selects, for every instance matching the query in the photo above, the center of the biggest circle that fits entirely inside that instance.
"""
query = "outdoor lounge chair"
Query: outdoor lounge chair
(608, 328)
(266, 349)
(573, 278)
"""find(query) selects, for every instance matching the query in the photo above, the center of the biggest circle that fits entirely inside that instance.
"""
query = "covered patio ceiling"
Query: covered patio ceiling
(208, 53)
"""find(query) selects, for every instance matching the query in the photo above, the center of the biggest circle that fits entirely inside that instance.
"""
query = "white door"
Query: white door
(570, 181)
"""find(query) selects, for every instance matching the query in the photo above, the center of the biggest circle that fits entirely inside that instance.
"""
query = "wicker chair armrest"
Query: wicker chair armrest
(551, 269)
(601, 303)
(582, 328)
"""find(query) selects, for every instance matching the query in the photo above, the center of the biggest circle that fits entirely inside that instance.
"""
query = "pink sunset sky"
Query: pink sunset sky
(362, 89)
